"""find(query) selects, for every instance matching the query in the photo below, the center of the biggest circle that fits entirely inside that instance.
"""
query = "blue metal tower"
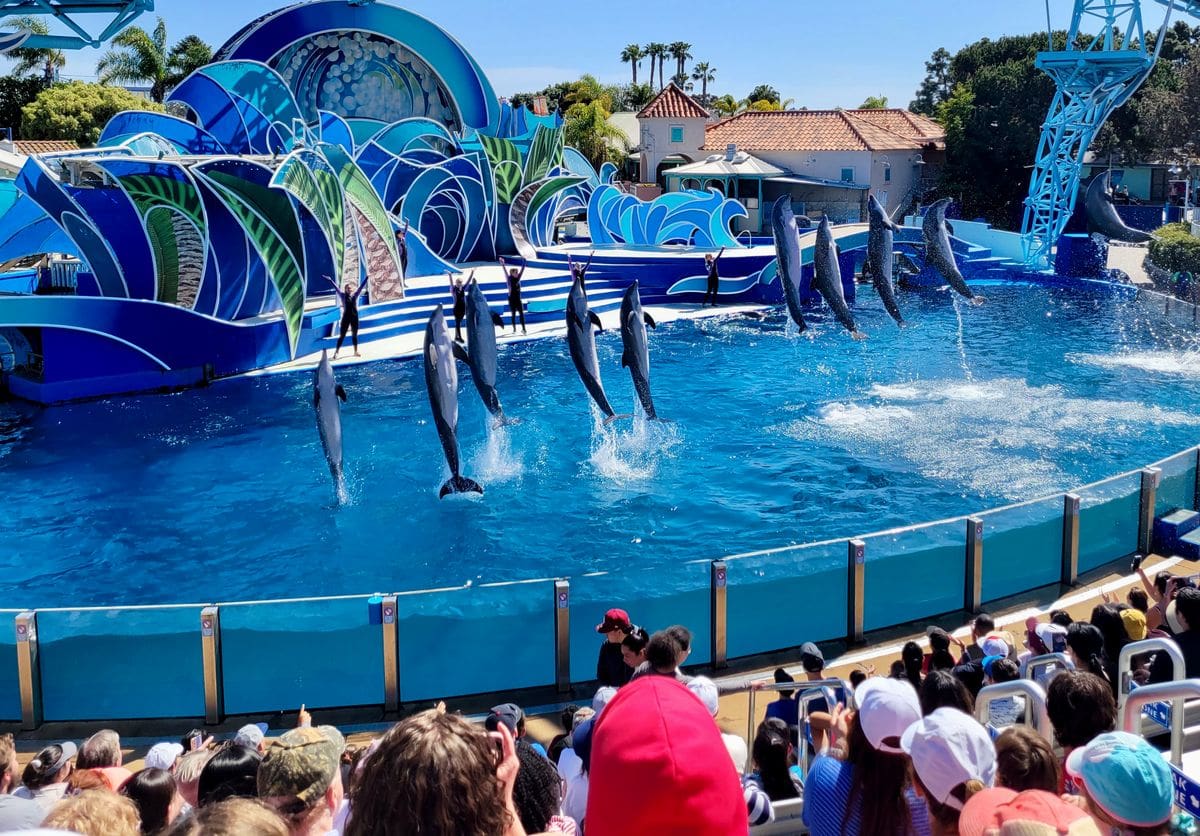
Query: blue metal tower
(70, 13)
(1095, 75)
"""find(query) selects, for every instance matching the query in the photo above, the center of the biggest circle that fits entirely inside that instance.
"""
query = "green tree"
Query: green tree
(658, 52)
(77, 111)
(681, 51)
(874, 103)
(142, 56)
(763, 92)
(633, 55)
(726, 105)
(636, 96)
(15, 93)
(936, 87)
(44, 62)
(706, 74)
(588, 130)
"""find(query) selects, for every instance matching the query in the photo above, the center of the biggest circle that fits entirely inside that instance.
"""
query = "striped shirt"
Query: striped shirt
(827, 794)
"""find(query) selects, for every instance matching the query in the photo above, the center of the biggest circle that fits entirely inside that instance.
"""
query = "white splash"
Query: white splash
(494, 460)
(630, 450)
(1182, 363)
(1000, 437)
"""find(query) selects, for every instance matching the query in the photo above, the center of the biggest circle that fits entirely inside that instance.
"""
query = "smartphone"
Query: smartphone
(1137, 562)
(197, 741)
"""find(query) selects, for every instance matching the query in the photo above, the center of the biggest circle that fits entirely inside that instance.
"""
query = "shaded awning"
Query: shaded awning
(739, 165)
(801, 180)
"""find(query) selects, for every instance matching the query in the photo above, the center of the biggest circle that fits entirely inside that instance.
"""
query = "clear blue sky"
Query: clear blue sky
(822, 53)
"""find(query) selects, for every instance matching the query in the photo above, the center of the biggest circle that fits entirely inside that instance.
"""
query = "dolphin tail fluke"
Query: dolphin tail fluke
(459, 484)
(621, 417)
(978, 300)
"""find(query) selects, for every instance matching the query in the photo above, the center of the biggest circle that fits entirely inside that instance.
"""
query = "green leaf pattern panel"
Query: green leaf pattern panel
(506, 166)
(165, 247)
(545, 152)
(295, 178)
(270, 223)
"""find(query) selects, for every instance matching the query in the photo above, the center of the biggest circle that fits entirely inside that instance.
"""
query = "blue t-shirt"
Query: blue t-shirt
(786, 709)
(827, 792)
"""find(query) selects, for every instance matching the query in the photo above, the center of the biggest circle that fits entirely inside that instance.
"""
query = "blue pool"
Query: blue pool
(777, 439)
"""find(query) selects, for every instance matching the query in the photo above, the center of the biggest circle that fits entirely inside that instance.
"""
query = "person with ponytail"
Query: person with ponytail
(774, 771)
(1085, 649)
(953, 759)
(913, 658)
(860, 785)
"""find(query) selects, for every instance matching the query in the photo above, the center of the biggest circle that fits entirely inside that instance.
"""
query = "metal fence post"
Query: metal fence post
(1070, 543)
(29, 674)
(391, 654)
(856, 589)
(1150, 479)
(717, 610)
(562, 636)
(210, 643)
(973, 593)
(1196, 498)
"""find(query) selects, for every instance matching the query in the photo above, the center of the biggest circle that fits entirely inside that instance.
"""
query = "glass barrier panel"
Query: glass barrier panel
(278, 655)
(119, 664)
(914, 574)
(10, 688)
(654, 599)
(475, 640)
(1177, 487)
(1108, 520)
(1022, 547)
(786, 598)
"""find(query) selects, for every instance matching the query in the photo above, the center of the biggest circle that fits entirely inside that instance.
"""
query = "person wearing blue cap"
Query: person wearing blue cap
(1126, 785)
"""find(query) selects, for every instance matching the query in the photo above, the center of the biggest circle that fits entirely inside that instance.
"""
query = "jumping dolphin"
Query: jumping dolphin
(880, 256)
(787, 253)
(441, 380)
(326, 392)
(1102, 215)
(827, 278)
(581, 341)
(636, 356)
(480, 353)
(938, 251)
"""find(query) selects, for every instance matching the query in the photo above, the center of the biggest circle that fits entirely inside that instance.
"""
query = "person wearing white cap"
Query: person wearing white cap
(163, 755)
(953, 759)
(45, 777)
(860, 785)
(252, 736)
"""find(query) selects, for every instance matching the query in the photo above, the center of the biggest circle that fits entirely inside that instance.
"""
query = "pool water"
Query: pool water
(776, 438)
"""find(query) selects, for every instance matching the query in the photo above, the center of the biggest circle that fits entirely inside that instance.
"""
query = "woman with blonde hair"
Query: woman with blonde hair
(95, 813)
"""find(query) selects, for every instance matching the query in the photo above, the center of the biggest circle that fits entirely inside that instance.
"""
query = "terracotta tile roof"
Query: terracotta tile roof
(825, 130)
(673, 103)
(44, 146)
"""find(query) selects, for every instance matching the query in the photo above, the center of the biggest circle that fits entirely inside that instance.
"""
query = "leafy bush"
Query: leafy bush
(77, 110)
(1175, 249)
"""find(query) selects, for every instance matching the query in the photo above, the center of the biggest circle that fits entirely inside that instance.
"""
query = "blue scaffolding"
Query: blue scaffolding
(71, 14)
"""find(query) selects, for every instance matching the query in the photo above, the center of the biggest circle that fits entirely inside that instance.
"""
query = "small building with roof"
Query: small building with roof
(829, 159)
(671, 132)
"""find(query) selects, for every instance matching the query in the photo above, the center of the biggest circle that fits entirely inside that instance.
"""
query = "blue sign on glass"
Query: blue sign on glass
(1187, 792)
(1159, 712)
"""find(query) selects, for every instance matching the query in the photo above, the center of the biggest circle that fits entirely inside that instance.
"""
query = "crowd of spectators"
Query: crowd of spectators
(648, 756)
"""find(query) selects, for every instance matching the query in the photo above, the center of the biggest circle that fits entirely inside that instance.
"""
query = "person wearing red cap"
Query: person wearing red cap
(658, 766)
(1002, 811)
(610, 667)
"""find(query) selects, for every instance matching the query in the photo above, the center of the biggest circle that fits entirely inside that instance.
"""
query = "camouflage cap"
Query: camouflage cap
(301, 764)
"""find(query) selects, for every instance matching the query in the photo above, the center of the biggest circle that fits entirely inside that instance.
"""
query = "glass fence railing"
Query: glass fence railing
(262, 656)
(100, 664)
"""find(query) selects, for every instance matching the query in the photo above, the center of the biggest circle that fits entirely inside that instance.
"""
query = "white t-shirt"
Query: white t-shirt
(570, 767)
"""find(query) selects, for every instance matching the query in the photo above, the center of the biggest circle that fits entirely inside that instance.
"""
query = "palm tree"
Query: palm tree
(659, 51)
(681, 52)
(29, 60)
(726, 105)
(143, 56)
(706, 74)
(633, 55)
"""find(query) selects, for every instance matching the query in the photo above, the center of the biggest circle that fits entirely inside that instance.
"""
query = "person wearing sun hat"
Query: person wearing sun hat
(1125, 783)
(1005, 812)
(860, 785)
(953, 759)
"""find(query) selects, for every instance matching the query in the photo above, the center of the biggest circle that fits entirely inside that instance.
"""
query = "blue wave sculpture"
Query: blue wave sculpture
(685, 217)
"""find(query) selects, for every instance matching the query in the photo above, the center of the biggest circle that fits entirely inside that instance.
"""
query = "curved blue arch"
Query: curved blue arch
(474, 98)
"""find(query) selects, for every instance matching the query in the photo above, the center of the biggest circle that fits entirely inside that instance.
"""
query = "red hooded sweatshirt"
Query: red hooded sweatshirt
(658, 766)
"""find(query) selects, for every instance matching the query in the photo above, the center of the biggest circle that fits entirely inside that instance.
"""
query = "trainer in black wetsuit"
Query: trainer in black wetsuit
(714, 279)
(458, 289)
(402, 248)
(349, 300)
(513, 277)
(579, 271)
